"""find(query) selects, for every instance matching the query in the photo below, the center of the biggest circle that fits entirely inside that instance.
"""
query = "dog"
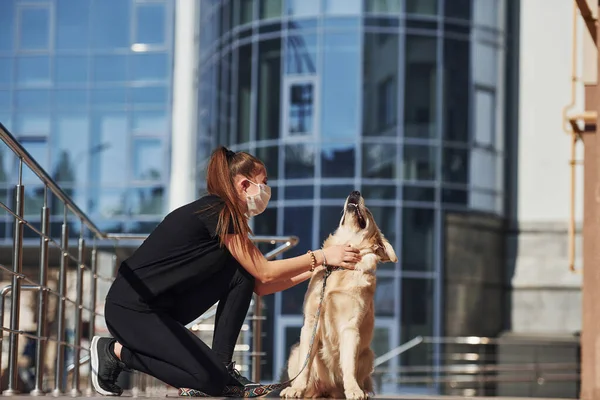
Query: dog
(347, 315)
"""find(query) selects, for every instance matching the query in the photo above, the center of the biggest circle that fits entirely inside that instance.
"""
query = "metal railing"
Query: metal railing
(482, 366)
(83, 300)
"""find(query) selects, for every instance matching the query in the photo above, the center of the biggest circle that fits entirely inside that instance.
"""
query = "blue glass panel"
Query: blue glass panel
(4, 100)
(108, 203)
(71, 148)
(38, 99)
(34, 29)
(150, 23)
(338, 160)
(150, 66)
(340, 82)
(301, 54)
(31, 124)
(343, 7)
(302, 8)
(418, 239)
(147, 200)
(38, 149)
(110, 20)
(110, 68)
(7, 21)
(71, 69)
(148, 159)
(109, 132)
(33, 70)
(6, 120)
(155, 121)
(72, 24)
(6, 69)
(111, 97)
(6, 163)
(155, 96)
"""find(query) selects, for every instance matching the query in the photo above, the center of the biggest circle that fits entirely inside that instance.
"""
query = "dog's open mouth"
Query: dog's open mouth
(353, 206)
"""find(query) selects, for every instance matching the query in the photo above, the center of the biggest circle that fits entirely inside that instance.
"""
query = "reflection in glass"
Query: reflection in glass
(244, 93)
(38, 99)
(425, 7)
(109, 165)
(33, 202)
(6, 162)
(382, 192)
(342, 7)
(301, 100)
(108, 203)
(33, 70)
(379, 160)
(299, 192)
(270, 8)
(456, 90)
(418, 241)
(341, 64)
(148, 159)
(77, 194)
(337, 160)
(32, 124)
(6, 71)
(151, 95)
(302, 8)
(299, 161)
(110, 68)
(455, 165)
(420, 94)
(150, 23)
(301, 54)
(297, 221)
(70, 69)
(380, 84)
(71, 149)
(485, 63)
(418, 193)
(455, 196)
(70, 99)
(149, 67)
(7, 39)
(109, 97)
(419, 162)
(269, 87)
(270, 157)
(485, 119)
(110, 24)
(383, 6)
(487, 13)
(417, 318)
(242, 10)
(34, 32)
(72, 22)
(329, 220)
(482, 201)
(147, 200)
(460, 9)
(385, 297)
(155, 121)
(5, 100)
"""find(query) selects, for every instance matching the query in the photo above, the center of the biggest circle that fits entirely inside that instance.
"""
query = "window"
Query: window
(379, 160)
(300, 106)
(244, 94)
(383, 6)
(7, 35)
(484, 63)
(149, 67)
(72, 24)
(269, 89)
(425, 7)
(71, 69)
(302, 8)
(419, 162)
(71, 149)
(418, 239)
(34, 27)
(456, 90)
(150, 24)
(483, 169)
(37, 147)
(387, 104)
(342, 7)
(485, 120)
(301, 54)
(33, 71)
(110, 24)
(337, 160)
(148, 159)
(270, 8)
(420, 94)
(110, 69)
(110, 165)
(299, 161)
(147, 201)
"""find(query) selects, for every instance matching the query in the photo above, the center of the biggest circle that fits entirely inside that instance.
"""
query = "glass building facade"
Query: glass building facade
(86, 86)
(400, 99)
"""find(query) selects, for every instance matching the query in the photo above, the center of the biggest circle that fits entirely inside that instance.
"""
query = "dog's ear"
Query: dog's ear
(386, 253)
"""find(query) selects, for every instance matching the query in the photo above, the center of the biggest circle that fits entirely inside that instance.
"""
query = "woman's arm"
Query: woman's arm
(266, 271)
(264, 289)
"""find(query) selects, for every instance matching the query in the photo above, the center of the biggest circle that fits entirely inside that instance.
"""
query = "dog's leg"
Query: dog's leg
(298, 387)
(348, 360)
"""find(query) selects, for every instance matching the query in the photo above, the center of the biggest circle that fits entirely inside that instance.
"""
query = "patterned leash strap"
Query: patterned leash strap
(261, 390)
(266, 389)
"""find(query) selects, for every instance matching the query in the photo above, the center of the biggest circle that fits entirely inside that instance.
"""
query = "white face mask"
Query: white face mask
(257, 203)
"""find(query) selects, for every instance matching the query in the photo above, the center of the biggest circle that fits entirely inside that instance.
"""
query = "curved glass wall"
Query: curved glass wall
(85, 85)
(401, 99)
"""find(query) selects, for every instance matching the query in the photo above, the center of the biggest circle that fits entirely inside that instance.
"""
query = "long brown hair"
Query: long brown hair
(223, 166)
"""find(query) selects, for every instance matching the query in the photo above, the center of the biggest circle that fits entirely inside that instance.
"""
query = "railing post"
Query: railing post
(93, 289)
(42, 304)
(16, 287)
(75, 392)
(60, 334)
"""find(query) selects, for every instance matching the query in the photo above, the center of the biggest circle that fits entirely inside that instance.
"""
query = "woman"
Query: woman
(199, 254)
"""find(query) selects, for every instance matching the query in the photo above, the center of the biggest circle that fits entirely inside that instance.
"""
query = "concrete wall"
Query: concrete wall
(546, 296)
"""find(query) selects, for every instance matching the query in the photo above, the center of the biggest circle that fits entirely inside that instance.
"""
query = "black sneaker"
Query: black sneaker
(239, 378)
(105, 367)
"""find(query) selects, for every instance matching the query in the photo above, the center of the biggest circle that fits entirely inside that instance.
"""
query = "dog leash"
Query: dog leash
(261, 390)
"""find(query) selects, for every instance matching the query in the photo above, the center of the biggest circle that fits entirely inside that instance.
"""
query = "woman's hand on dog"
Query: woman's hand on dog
(344, 256)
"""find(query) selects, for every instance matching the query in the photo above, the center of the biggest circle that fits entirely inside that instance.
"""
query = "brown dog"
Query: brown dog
(347, 315)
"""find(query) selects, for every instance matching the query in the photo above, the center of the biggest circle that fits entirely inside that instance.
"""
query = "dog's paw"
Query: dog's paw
(356, 394)
(292, 393)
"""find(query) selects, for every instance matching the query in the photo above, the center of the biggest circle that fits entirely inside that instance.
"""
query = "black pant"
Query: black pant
(156, 341)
